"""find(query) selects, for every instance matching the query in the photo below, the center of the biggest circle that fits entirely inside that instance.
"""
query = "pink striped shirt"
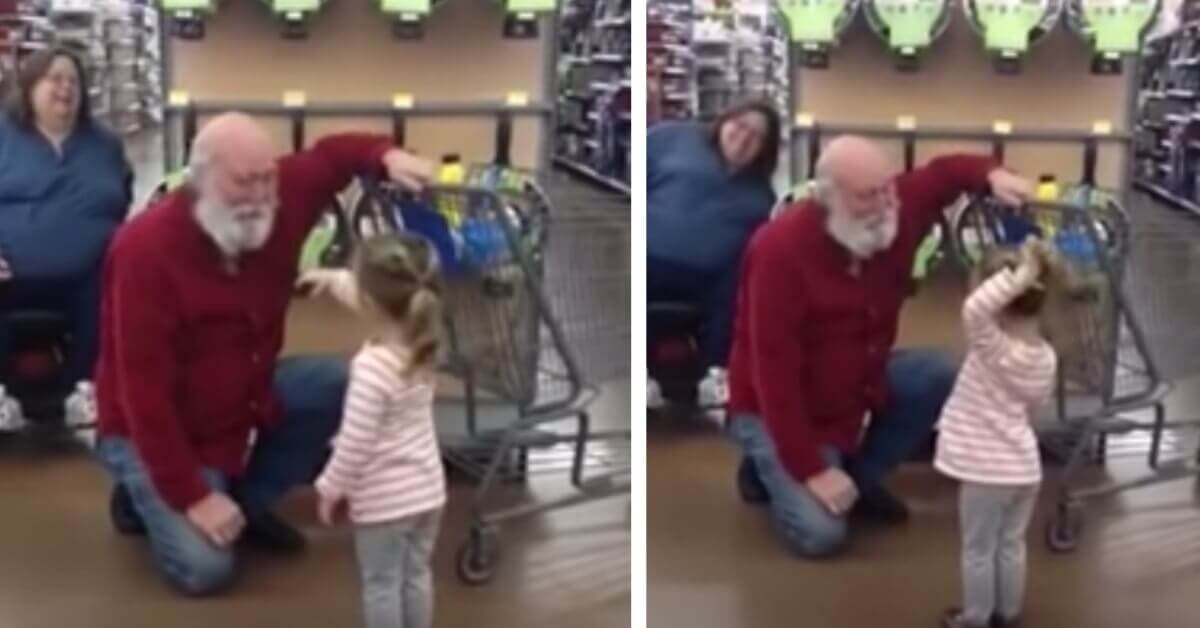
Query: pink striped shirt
(386, 460)
(984, 431)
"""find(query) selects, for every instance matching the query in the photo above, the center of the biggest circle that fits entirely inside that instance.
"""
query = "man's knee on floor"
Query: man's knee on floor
(817, 539)
(204, 572)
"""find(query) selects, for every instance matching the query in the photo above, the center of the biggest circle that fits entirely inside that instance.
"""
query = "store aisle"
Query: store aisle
(714, 564)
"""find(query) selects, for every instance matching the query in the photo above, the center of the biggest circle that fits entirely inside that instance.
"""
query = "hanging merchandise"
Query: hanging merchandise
(521, 17)
(1010, 27)
(295, 15)
(908, 27)
(669, 61)
(187, 18)
(1113, 28)
(408, 17)
(815, 26)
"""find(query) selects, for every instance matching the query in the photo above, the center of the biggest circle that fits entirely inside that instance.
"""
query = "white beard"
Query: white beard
(862, 240)
(235, 230)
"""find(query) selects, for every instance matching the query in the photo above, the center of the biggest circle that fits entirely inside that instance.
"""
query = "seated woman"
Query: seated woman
(707, 189)
(65, 187)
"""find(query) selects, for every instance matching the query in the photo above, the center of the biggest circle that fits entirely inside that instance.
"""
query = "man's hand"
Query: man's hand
(834, 489)
(1011, 189)
(218, 518)
(327, 508)
(408, 170)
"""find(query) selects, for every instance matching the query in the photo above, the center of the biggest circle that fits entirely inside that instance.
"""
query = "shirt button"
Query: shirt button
(254, 406)
(254, 358)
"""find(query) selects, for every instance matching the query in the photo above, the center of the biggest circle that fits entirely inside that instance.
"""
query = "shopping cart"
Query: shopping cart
(1110, 378)
(538, 315)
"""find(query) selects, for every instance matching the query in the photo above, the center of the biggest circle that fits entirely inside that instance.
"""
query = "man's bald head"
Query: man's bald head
(856, 185)
(234, 173)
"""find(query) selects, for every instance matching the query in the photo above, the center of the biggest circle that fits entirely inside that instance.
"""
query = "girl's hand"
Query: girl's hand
(1032, 259)
(327, 508)
(314, 283)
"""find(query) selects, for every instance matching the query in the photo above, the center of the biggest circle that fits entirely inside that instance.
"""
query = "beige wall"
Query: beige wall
(957, 86)
(351, 56)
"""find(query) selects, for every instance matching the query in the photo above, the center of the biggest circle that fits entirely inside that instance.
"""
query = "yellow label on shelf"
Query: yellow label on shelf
(402, 101)
(1101, 127)
(1002, 127)
(178, 98)
(805, 120)
(906, 123)
(517, 99)
(294, 99)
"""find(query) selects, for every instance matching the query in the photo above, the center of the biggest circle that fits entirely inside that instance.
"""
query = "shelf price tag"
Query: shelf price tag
(402, 100)
(906, 123)
(294, 99)
(805, 120)
(179, 98)
(517, 99)
(1102, 127)
(1002, 127)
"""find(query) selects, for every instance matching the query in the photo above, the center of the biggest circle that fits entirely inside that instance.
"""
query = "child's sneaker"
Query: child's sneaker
(953, 618)
(714, 388)
(12, 419)
(81, 406)
(1000, 622)
(654, 397)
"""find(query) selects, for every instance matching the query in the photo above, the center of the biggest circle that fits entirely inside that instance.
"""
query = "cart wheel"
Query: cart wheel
(479, 556)
(1064, 529)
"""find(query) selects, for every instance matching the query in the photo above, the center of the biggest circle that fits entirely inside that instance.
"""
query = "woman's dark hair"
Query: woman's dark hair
(767, 160)
(33, 69)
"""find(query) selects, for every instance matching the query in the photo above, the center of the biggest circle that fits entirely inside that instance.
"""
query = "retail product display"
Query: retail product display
(1113, 28)
(594, 100)
(294, 16)
(1168, 128)
(187, 18)
(815, 26)
(118, 42)
(669, 61)
(908, 27)
(1010, 27)
(702, 58)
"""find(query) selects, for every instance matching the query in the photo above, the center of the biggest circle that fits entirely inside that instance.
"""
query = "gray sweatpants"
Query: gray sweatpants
(994, 520)
(394, 564)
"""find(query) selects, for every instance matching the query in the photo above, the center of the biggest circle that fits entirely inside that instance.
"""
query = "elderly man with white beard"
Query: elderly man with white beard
(201, 427)
(821, 405)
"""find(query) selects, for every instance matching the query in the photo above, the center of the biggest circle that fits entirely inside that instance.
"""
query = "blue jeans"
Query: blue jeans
(918, 384)
(712, 292)
(78, 300)
(311, 390)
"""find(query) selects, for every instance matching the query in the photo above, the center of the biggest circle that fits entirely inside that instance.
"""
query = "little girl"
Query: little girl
(385, 462)
(985, 439)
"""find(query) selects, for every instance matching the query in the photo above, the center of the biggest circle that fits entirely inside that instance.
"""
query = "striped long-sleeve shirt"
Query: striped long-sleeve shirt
(385, 459)
(984, 431)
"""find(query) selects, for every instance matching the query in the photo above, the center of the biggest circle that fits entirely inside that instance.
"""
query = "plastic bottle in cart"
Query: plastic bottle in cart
(451, 173)
(1047, 192)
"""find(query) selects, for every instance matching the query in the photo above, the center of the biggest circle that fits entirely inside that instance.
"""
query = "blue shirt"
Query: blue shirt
(699, 215)
(58, 213)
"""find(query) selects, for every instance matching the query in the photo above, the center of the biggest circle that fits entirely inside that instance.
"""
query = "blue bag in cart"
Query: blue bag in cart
(417, 217)
(484, 242)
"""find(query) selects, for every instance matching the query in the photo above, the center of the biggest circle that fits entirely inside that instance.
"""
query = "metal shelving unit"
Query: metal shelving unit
(592, 134)
(1167, 138)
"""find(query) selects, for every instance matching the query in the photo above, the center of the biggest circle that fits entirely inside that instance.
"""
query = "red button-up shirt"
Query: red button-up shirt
(813, 333)
(188, 349)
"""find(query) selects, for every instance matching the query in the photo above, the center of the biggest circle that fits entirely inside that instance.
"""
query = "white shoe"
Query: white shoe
(654, 397)
(81, 406)
(12, 419)
(714, 388)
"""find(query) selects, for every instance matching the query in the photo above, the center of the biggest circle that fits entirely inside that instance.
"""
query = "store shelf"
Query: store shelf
(1165, 195)
(587, 172)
